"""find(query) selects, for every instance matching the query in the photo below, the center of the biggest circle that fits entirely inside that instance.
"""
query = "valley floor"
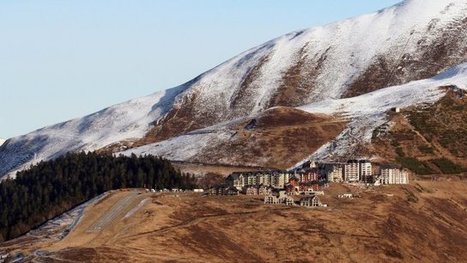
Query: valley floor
(422, 222)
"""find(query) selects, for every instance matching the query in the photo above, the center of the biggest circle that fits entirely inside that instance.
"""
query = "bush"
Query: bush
(400, 152)
(414, 165)
(448, 167)
(426, 149)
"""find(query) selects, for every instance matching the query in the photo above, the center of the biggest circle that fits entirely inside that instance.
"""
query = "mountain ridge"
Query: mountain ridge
(364, 113)
(409, 41)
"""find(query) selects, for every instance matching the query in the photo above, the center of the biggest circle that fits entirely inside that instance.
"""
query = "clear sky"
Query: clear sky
(65, 59)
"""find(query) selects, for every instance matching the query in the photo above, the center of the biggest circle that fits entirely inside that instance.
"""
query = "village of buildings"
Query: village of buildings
(307, 182)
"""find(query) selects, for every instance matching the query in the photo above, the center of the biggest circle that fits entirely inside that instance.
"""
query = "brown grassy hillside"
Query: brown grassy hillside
(278, 138)
(429, 139)
(422, 222)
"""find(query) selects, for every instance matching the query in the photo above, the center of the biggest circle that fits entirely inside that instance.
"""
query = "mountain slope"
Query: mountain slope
(2, 141)
(364, 114)
(413, 40)
(125, 121)
(275, 138)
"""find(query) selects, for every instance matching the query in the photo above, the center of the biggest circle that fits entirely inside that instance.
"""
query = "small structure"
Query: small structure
(271, 199)
(250, 190)
(222, 190)
(310, 201)
(349, 196)
(229, 191)
(264, 190)
(288, 200)
(396, 109)
(313, 192)
(285, 199)
(198, 190)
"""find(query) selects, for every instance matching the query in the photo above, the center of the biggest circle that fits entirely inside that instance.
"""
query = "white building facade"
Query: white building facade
(394, 176)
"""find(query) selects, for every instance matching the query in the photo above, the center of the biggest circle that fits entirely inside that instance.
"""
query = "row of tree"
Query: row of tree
(51, 188)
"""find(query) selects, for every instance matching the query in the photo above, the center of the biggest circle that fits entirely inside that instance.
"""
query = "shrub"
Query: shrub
(448, 167)
(414, 165)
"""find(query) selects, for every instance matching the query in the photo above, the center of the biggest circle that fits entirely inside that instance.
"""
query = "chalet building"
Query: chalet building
(250, 190)
(271, 199)
(283, 198)
(310, 201)
(257, 190)
(251, 179)
(286, 199)
(358, 170)
(264, 190)
(351, 171)
(392, 175)
(291, 189)
(223, 191)
(276, 179)
(332, 172)
(365, 170)
(307, 175)
(235, 180)
(280, 179)
(264, 178)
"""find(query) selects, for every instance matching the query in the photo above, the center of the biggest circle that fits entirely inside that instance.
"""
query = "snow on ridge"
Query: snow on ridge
(368, 111)
(365, 112)
(2, 141)
(124, 121)
(379, 101)
(349, 47)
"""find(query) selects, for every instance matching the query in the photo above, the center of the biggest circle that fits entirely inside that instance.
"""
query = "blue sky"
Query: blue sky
(65, 59)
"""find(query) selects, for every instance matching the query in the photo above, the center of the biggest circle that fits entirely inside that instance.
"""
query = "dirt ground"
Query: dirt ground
(422, 222)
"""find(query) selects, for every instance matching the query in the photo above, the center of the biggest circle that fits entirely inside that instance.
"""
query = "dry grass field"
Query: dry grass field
(422, 222)
(428, 140)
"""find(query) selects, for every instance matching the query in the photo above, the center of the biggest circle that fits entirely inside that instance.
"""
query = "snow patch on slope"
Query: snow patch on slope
(343, 50)
(2, 141)
(368, 111)
(183, 147)
(125, 121)
(365, 113)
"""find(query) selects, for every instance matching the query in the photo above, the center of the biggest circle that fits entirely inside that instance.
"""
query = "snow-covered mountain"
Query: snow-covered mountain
(2, 141)
(413, 40)
(364, 113)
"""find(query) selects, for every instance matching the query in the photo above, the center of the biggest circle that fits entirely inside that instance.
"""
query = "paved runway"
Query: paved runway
(112, 214)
